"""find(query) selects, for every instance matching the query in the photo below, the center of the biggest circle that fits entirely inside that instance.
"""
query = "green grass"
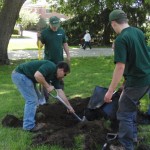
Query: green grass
(21, 44)
(85, 74)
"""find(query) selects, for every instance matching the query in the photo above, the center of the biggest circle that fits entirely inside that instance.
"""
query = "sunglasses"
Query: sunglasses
(65, 74)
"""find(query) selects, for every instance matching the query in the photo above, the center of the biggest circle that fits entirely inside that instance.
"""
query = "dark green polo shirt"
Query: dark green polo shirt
(46, 68)
(131, 49)
(53, 41)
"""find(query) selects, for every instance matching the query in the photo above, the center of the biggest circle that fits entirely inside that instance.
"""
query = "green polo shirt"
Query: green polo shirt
(53, 41)
(131, 49)
(46, 68)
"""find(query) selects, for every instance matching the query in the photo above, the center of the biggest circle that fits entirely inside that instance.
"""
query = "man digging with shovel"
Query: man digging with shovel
(25, 77)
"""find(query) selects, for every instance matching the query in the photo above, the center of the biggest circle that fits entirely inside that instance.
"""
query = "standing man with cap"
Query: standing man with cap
(132, 60)
(54, 40)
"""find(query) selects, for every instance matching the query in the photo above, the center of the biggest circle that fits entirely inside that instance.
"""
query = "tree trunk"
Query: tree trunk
(107, 27)
(106, 34)
(8, 16)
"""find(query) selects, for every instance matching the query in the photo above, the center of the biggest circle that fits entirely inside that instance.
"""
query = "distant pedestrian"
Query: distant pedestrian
(20, 30)
(87, 40)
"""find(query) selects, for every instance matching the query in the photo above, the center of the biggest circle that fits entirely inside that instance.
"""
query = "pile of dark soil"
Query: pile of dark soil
(62, 127)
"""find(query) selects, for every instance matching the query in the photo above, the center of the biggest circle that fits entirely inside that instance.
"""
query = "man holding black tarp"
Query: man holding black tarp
(132, 61)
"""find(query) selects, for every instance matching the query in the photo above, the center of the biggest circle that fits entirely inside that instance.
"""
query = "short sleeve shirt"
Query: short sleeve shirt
(46, 68)
(131, 49)
(53, 41)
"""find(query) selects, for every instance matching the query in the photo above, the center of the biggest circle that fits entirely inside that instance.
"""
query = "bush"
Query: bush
(16, 31)
(28, 19)
(41, 24)
(147, 34)
(148, 37)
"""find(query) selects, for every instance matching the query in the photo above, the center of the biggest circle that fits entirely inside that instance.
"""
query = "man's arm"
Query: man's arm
(117, 76)
(40, 79)
(39, 43)
(66, 49)
(62, 95)
(89, 37)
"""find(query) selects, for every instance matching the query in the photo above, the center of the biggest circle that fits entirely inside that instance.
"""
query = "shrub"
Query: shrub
(16, 31)
(148, 36)
(28, 19)
(41, 24)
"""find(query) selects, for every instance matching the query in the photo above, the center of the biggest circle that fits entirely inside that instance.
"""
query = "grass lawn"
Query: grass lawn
(22, 44)
(85, 74)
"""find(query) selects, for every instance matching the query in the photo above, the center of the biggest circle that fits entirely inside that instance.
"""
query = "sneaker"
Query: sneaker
(114, 143)
(139, 140)
(38, 127)
(116, 147)
(80, 45)
(41, 101)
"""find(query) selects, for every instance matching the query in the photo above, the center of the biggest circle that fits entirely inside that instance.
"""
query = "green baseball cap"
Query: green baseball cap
(54, 21)
(117, 14)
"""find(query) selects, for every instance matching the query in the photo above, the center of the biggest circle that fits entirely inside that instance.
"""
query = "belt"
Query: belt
(14, 71)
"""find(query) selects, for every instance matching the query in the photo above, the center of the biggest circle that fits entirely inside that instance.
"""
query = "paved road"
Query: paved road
(75, 52)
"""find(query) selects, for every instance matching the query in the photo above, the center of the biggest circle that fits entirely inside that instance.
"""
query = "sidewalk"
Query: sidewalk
(74, 52)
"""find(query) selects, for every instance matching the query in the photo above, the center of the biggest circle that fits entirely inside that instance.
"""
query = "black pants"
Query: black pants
(87, 44)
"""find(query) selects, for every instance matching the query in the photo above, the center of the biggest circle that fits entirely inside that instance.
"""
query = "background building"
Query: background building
(43, 9)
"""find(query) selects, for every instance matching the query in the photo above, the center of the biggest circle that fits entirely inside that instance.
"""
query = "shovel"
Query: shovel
(110, 137)
(97, 99)
(148, 93)
(56, 96)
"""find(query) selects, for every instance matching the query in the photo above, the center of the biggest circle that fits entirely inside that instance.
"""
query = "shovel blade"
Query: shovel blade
(97, 99)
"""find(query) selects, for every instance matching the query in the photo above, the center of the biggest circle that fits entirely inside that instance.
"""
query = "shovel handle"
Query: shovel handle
(54, 96)
(60, 99)
(111, 136)
(77, 116)
(69, 108)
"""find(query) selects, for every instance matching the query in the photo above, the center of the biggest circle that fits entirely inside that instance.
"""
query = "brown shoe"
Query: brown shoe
(38, 127)
(119, 147)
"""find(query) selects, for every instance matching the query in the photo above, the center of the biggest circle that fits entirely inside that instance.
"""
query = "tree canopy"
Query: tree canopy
(93, 15)
(84, 14)
(9, 13)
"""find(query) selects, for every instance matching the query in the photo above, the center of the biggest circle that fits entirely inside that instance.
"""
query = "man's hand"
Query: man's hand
(66, 49)
(50, 89)
(38, 34)
(70, 110)
(41, 79)
(108, 97)
(117, 75)
(62, 95)
(68, 60)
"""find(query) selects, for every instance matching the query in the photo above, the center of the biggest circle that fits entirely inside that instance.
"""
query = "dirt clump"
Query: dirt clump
(62, 128)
